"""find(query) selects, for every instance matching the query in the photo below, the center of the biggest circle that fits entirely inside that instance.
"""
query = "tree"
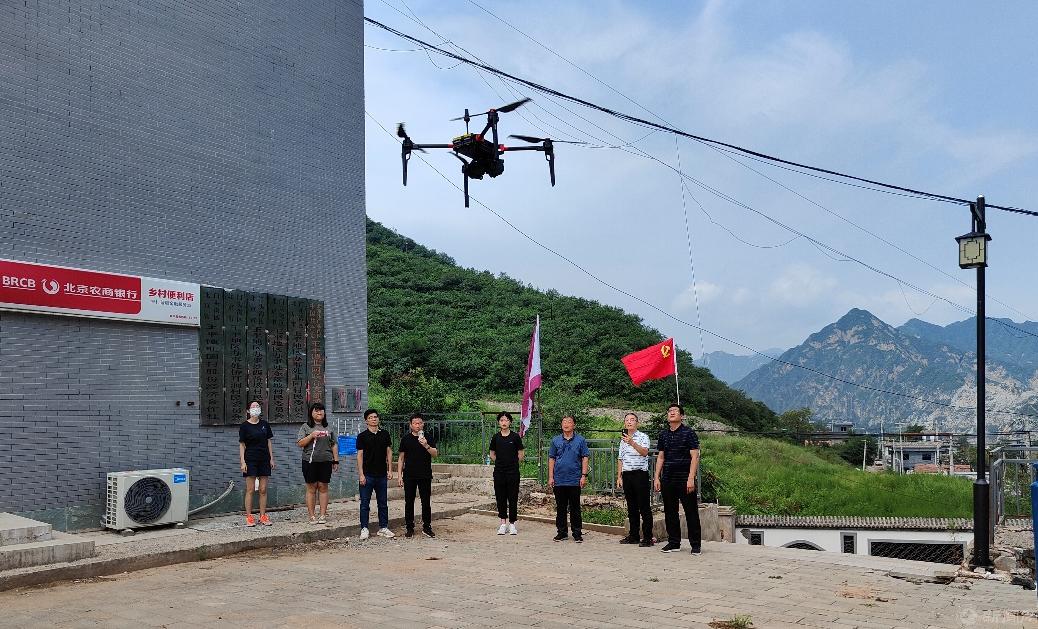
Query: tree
(853, 448)
(914, 428)
(797, 423)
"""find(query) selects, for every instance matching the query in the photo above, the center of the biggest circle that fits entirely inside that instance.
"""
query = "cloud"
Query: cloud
(705, 291)
(807, 93)
(801, 285)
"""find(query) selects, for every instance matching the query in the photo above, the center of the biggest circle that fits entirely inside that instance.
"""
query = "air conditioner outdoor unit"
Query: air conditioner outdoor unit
(146, 498)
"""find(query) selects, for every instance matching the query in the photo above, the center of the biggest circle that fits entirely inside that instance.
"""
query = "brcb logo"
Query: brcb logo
(18, 282)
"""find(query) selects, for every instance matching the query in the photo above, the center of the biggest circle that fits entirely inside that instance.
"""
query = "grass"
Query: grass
(739, 621)
(613, 516)
(768, 477)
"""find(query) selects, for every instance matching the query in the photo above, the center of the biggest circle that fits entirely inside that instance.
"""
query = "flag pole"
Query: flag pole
(677, 387)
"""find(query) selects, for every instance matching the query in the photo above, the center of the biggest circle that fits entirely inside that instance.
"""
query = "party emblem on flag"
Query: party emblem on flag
(655, 361)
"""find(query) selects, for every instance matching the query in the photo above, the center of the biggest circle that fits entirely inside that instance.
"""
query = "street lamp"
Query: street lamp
(973, 254)
(973, 250)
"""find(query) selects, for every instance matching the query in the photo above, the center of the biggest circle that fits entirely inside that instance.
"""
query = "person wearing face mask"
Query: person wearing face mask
(256, 455)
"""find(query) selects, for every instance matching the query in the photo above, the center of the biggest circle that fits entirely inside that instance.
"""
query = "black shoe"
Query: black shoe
(671, 547)
(409, 533)
(578, 538)
(428, 532)
(646, 544)
(560, 537)
(697, 551)
(629, 540)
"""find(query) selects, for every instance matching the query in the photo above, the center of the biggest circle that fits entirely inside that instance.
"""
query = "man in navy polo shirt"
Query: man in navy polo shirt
(676, 466)
(567, 475)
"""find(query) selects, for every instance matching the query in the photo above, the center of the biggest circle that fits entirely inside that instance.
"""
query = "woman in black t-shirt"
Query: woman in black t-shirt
(506, 450)
(256, 456)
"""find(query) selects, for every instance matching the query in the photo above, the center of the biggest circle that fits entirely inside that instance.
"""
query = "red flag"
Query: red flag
(651, 363)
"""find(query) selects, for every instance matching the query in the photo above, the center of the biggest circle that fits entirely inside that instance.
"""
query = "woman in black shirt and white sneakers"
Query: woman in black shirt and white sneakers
(320, 447)
(506, 450)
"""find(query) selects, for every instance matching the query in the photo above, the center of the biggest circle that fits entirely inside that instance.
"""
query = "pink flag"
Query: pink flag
(532, 381)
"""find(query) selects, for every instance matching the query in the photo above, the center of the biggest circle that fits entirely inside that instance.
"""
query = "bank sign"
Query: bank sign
(29, 287)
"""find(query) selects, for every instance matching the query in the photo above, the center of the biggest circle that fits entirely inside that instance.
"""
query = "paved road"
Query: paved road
(469, 577)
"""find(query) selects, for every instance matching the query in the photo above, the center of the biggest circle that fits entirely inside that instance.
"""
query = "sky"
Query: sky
(938, 96)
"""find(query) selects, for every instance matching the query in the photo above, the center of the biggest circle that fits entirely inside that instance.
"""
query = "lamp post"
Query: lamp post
(973, 252)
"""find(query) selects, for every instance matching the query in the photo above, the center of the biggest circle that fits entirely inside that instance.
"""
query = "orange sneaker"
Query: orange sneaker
(265, 520)
(250, 520)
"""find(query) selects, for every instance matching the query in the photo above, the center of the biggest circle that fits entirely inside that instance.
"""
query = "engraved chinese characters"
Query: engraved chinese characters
(255, 346)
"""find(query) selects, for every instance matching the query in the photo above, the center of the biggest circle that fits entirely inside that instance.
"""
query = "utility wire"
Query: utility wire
(691, 261)
(663, 127)
(667, 314)
(822, 247)
(726, 152)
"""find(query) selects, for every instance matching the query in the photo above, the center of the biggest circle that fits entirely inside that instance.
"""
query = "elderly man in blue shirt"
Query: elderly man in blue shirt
(567, 475)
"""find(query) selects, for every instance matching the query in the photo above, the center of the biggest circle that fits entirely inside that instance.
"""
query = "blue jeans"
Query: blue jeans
(378, 485)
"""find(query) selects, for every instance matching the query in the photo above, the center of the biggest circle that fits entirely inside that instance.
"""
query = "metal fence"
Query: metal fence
(601, 471)
(1011, 478)
(462, 437)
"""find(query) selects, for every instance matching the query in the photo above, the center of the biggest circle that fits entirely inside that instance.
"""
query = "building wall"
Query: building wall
(218, 142)
(831, 540)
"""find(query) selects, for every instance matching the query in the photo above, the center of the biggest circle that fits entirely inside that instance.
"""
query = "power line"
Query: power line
(663, 127)
(667, 314)
(822, 247)
(724, 151)
(691, 261)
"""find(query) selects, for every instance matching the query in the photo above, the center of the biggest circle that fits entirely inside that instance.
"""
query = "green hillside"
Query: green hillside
(770, 477)
(472, 329)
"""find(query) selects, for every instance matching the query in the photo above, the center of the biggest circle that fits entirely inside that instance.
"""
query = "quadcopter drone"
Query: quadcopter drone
(484, 155)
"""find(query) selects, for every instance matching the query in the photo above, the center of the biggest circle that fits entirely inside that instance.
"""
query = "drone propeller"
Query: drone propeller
(533, 140)
(408, 143)
(504, 109)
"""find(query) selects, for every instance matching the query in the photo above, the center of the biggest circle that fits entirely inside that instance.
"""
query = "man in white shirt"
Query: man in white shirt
(632, 475)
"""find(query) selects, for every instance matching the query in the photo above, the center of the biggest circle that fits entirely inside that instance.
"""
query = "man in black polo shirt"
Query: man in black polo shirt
(414, 466)
(676, 466)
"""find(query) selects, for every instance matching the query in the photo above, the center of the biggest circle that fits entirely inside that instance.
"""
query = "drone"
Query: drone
(483, 153)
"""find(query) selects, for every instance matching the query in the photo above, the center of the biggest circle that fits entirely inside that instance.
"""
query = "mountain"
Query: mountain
(1015, 345)
(472, 329)
(917, 360)
(730, 368)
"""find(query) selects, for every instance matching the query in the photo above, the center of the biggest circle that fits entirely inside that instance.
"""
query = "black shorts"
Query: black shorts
(317, 472)
(256, 468)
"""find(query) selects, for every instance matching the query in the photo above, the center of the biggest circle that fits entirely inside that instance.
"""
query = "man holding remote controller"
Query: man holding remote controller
(414, 469)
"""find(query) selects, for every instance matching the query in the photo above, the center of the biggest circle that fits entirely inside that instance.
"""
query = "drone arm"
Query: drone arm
(432, 146)
(510, 149)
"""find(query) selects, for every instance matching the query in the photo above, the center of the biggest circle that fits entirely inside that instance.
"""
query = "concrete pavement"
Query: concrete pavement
(470, 577)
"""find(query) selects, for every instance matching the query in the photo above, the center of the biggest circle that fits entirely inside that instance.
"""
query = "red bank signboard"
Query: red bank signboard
(29, 287)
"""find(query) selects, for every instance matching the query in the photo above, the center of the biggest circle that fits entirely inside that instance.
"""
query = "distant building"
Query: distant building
(936, 540)
(904, 456)
(838, 433)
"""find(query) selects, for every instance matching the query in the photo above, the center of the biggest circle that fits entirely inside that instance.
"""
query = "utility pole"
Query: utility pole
(973, 255)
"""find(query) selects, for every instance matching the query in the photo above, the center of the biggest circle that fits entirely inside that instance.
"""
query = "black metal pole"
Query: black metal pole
(981, 489)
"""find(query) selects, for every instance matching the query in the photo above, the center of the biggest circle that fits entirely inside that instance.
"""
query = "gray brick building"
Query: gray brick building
(215, 142)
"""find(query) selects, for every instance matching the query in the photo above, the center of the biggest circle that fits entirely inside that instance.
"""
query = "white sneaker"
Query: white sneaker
(512, 530)
(364, 534)
(501, 530)
(385, 533)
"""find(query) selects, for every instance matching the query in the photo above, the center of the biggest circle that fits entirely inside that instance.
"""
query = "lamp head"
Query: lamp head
(973, 250)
